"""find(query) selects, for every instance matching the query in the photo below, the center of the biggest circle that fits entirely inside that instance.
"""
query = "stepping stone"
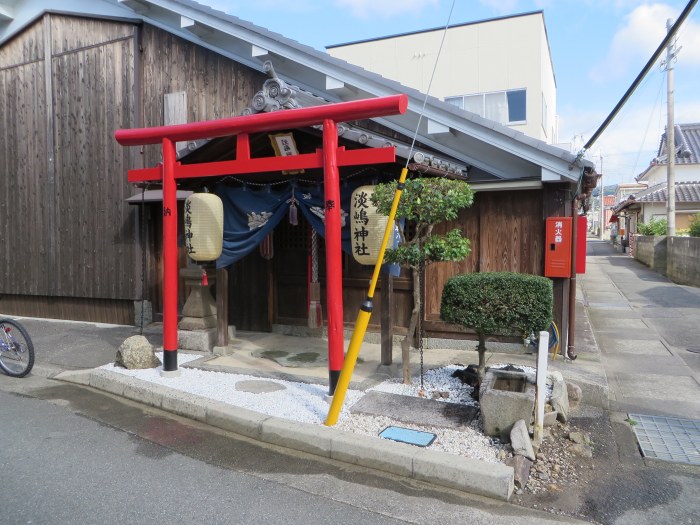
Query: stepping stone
(255, 386)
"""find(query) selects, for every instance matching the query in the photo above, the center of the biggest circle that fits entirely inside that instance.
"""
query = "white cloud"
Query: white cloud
(632, 139)
(643, 30)
(384, 8)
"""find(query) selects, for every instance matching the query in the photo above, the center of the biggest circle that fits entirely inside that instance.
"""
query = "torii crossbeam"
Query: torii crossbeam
(329, 158)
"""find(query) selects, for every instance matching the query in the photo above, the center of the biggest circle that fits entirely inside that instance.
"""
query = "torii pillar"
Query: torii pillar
(330, 158)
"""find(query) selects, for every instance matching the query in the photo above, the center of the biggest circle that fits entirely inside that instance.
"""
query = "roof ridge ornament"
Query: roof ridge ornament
(275, 94)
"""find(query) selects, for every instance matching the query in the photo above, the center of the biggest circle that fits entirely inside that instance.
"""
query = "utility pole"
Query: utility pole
(671, 55)
(602, 202)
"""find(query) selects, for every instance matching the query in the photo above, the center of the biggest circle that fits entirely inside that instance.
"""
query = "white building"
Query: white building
(499, 68)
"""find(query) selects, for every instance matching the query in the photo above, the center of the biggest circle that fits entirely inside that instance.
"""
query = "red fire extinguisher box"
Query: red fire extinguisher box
(557, 258)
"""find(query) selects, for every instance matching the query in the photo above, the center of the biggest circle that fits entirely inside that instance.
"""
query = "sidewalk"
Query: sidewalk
(643, 324)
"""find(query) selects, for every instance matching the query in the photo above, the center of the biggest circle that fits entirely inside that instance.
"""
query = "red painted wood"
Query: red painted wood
(242, 147)
(266, 164)
(334, 263)
(170, 269)
(261, 122)
(329, 159)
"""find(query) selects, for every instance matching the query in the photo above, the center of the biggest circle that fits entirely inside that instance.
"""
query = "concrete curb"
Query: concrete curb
(469, 475)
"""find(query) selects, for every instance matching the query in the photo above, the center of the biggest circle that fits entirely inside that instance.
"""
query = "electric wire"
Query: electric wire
(646, 132)
(642, 74)
(430, 84)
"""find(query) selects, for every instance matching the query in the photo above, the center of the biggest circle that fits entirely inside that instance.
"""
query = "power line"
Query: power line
(642, 74)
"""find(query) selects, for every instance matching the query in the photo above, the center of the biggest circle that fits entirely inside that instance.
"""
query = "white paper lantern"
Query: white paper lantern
(366, 226)
(204, 226)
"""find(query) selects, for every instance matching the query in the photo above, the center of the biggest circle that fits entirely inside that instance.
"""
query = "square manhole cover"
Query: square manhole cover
(668, 438)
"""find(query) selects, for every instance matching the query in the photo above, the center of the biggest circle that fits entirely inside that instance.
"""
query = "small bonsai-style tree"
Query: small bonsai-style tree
(425, 202)
(497, 303)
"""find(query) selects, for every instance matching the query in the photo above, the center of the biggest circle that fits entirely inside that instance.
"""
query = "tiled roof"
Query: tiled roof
(685, 192)
(687, 140)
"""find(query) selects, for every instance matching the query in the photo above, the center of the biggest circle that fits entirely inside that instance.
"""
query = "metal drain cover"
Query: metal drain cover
(668, 438)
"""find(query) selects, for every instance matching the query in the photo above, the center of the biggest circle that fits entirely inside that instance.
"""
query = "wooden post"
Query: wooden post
(222, 307)
(170, 256)
(387, 320)
(334, 263)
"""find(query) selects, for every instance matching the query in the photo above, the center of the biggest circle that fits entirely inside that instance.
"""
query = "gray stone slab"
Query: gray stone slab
(477, 477)
(624, 305)
(604, 296)
(661, 387)
(313, 439)
(185, 404)
(665, 365)
(415, 410)
(613, 313)
(396, 458)
(627, 334)
(605, 323)
(236, 419)
(652, 312)
(612, 345)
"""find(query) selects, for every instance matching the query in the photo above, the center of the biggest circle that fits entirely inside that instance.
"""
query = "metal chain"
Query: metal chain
(421, 312)
(314, 256)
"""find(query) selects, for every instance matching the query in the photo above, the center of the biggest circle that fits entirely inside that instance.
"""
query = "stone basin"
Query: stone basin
(505, 397)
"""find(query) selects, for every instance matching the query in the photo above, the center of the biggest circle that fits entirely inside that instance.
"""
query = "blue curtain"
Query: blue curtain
(251, 213)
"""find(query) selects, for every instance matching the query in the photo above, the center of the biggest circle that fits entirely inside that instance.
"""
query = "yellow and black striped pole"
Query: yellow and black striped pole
(363, 316)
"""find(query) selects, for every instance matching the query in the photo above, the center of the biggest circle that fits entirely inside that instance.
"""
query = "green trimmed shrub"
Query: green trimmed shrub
(497, 303)
(653, 227)
(695, 226)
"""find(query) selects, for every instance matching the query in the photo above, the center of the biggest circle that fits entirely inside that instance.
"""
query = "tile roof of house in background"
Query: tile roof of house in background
(686, 192)
(687, 141)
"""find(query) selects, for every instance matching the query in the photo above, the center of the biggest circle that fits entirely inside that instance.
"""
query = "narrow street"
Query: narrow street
(74, 455)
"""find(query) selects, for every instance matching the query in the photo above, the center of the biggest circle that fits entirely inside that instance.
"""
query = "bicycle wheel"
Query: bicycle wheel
(16, 349)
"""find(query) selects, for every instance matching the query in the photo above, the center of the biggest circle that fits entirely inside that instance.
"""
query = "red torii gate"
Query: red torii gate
(329, 158)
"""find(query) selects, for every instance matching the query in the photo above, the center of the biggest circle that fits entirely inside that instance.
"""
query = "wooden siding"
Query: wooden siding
(69, 33)
(216, 86)
(23, 177)
(114, 311)
(25, 48)
(506, 230)
(69, 230)
(96, 229)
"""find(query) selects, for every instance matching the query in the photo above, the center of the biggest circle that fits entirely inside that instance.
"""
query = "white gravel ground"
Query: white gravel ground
(306, 402)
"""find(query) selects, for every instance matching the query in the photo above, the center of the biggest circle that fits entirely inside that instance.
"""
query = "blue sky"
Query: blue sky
(598, 48)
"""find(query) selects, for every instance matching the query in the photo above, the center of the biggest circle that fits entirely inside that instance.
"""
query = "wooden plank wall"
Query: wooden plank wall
(23, 165)
(216, 86)
(506, 230)
(69, 233)
(93, 78)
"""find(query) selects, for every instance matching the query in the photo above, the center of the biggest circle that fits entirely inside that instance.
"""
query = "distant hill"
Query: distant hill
(609, 190)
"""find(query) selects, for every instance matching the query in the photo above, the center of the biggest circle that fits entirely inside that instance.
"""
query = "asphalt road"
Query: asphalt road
(74, 455)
